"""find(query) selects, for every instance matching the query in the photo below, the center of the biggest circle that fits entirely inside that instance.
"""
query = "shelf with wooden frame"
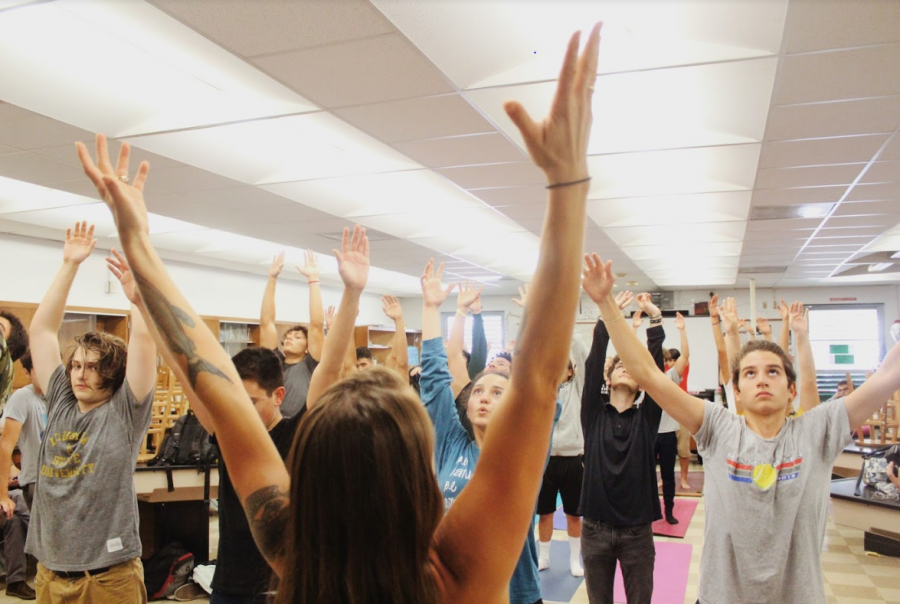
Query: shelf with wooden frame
(378, 339)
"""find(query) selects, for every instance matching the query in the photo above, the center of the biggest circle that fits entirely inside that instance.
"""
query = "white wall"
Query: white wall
(700, 338)
(29, 266)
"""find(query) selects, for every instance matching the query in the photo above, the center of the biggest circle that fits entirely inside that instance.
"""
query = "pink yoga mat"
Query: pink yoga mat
(683, 512)
(670, 574)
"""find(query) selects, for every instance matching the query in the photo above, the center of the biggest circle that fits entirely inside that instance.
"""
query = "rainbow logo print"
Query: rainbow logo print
(764, 475)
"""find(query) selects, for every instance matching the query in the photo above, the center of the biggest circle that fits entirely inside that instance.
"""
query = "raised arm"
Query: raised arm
(728, 315)
(592, 396)
(316, 337)
(809, 388)
(398, 359)
(198, 360)
(685, 358)
(268, 335)
(467, 295)
(479, 353)
(637, 320)
(784, 338)
(876, 390)
(715, 320)
(762, 325)
(480, 538)
(48, 318)
(353, 267)
(684, 408)
(433, 295)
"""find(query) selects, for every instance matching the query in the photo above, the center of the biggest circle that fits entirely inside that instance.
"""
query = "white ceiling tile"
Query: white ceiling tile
(417, 119)
(838, 118)
(507, 196)
(814, 152)
(817, 25)
(861, 208)
(892, 151)
(36, 169)
(809, 176)
(797, 195)
(4, 150)
(251, 27)
(383, 68)
(712, 232)
(787, 224)
(67, 155)
(248, 199)
(848, 240)
(774, 234)
(842, 74)
(874, 192)
(188, 178)
(864, 221)
(883, 171)
(672, 210)
(495, 175)
(25, 129)
(462, 150)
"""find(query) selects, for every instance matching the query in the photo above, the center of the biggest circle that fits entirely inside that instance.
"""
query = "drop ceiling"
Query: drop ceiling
(731, 140)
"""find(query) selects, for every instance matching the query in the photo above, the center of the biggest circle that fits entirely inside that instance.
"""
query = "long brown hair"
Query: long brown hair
(364, 498)
(112, 353)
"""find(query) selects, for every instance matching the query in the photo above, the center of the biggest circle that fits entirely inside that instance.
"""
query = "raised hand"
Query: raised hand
(799, 317)
(433, 293)
(714, 307)
(310, 268)
(523, 297)
(558, 144)
(624, 299)
(598, 279)
(329, 316)
(637, 319)
(744, 325)
(79, 244)
(125, 200)
(762, 324)
(728, 314)
(118, 266)
(353, 259)
(785, 311)
(679, 321)
(476, 306)
(645, 302)
(276, 266)
(468, 294)
(391, 307)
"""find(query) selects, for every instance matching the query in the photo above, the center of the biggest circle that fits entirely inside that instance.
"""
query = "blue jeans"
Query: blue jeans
(219, 598)
(632, 546)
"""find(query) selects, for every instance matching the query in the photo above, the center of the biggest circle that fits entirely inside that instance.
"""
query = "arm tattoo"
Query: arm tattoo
(169, 320)
(267, 512)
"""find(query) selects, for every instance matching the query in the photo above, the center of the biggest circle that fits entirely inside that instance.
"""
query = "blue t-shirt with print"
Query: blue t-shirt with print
(456, 455)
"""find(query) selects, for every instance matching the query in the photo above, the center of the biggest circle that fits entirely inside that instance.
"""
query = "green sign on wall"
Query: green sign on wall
(843, 359)
(839, 348)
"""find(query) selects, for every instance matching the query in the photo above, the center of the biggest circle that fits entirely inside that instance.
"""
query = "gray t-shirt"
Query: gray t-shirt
(766, 505)
(296, 383)
(666, 422)
(85, 512)
(29, 409)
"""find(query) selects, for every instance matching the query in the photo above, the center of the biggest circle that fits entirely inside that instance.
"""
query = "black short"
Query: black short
(563, 475)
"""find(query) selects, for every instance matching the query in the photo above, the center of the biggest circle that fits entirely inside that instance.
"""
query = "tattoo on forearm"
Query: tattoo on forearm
(169, 320)
(267, 511)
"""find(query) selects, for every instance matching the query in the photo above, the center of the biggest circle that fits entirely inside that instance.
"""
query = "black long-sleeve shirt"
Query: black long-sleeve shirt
(619, 485)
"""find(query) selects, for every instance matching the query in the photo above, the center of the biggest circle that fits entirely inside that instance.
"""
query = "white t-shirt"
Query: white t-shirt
(29, 409)
(666, 423)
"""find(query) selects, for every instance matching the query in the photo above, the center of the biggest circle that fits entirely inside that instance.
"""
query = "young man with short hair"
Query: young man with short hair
(242, 575)
(13, 344)
(84, 528)
(364, 358)
(301, 347)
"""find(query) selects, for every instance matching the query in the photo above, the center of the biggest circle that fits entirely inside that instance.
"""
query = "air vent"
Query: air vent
(372, 234)
(758, 270)
(806, 210)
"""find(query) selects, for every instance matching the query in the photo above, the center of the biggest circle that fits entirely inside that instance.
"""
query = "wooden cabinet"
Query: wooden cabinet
(378, 339)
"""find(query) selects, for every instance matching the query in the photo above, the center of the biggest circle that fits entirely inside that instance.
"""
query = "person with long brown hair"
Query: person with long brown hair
(361, 494)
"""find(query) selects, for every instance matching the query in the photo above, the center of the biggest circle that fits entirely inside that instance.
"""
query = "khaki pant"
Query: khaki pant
(121, 584)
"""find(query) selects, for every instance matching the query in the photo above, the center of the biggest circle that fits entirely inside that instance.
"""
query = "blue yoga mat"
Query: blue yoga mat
(557, 583)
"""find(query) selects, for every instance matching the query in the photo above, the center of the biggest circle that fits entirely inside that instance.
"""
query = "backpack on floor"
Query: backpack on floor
(187, 444)
(167, 570)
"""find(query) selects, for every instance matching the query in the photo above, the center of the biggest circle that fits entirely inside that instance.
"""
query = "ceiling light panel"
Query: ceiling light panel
(127, 68)
(713, 232)
(673, 172)
(670, 210)
(300, 147)
(18, 196)
(702, 105)
(494, 43)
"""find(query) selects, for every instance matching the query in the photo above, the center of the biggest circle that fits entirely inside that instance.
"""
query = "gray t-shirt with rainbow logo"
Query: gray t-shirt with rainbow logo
(766, 505)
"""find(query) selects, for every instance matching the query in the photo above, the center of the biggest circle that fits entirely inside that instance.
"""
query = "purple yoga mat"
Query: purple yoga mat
(683, 512)
(559, 519)
(670, 574)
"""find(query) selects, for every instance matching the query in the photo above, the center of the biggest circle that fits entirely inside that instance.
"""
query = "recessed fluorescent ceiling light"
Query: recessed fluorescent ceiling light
(124, 67)
(670, 209)
(18, 196)
(874, 268)
(518, 42)
(690, 234)
(294, 148)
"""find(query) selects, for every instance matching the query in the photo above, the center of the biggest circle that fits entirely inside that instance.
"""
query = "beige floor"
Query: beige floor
(851, 577)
